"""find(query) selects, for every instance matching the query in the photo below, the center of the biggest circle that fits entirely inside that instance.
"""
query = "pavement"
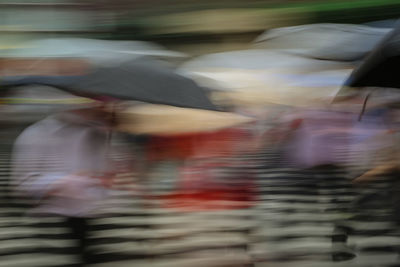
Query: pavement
(299, 218)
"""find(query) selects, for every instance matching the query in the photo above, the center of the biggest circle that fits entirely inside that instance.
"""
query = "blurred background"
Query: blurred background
(240, 133)
(203, 27)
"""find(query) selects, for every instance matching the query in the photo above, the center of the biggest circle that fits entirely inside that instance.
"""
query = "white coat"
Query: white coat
(54, 162)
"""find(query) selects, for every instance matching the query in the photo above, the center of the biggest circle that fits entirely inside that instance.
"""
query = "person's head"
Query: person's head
(102, 109)
(102, 112)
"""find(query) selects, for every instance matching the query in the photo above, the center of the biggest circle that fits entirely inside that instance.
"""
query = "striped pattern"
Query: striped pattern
(300, 218)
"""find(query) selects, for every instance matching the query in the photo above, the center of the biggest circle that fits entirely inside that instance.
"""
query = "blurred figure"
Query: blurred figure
(373, 144)
(62, 163)
(317, 137)
(384, 161)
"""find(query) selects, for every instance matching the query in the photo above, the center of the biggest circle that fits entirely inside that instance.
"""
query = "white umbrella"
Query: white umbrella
(96, 51)
(258, 59)
(342, 42)
(262, 76)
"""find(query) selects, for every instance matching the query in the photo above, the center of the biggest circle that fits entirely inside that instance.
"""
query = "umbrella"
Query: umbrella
(378, 69)
(96, 51)
(63, 56)
(329, 41)
(258, 59)
(168, 120)
(265, 76)
(142, 80)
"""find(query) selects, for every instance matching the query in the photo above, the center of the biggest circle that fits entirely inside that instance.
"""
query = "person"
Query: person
(382, 154)
(386, 158)
(62, 164)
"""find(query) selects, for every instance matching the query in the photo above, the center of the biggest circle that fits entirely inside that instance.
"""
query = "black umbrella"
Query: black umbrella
(380, 68)
(142, 80)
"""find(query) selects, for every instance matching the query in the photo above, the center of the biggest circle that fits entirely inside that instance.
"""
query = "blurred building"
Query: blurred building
(22, 20)
(230, 23)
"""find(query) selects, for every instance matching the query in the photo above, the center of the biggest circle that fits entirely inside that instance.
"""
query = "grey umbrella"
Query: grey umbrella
(103, 52)
(141, 79)
(329, 41)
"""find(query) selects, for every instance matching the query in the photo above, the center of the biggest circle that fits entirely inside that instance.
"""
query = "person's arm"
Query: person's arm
(390, 165)
(373, 174)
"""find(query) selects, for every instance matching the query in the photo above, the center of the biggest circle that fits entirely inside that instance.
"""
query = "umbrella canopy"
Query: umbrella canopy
(96, 51)
(250, 77)
(168, 120)
(143, 80)
(329, 41)
(379, 69)
(257, 59)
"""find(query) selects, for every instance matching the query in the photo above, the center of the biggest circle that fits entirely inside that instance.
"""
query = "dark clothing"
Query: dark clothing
(79, 232)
